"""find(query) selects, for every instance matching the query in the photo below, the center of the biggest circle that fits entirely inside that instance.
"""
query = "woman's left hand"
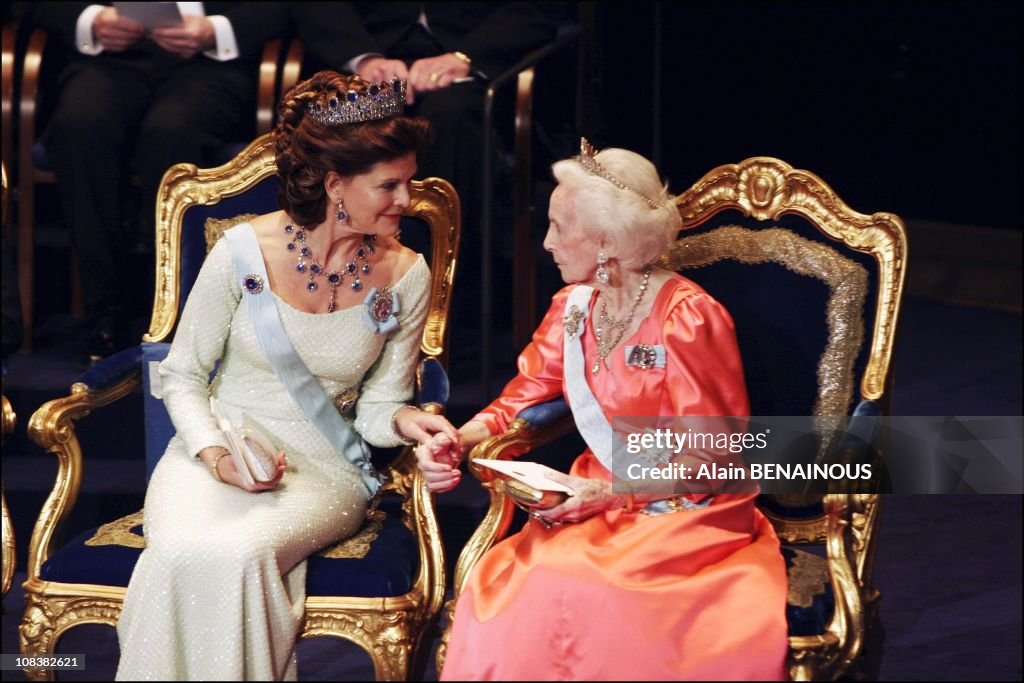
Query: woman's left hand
(414, 424)
(592, 496)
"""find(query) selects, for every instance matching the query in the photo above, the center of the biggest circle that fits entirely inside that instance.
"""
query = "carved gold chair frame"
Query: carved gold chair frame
(390, 629)
(9, 418)
(764, 189)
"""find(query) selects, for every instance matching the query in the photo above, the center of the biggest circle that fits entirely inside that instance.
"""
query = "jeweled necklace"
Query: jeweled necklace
(615, 328)
(335, 277)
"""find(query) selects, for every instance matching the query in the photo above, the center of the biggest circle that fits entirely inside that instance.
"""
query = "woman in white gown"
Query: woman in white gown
(218, 593)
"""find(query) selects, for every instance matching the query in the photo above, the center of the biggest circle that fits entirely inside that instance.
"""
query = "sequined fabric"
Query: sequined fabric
(219, 592)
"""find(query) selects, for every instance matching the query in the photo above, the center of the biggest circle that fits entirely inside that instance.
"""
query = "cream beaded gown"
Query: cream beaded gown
(218, 593)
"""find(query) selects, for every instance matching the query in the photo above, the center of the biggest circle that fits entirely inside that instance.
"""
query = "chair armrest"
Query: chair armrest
(533, 427)
(52, 428)
(433, 385)
(112, 370)
(544, 414)
(851, 520)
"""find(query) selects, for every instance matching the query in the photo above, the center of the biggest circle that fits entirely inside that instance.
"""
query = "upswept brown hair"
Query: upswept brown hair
(307, 150)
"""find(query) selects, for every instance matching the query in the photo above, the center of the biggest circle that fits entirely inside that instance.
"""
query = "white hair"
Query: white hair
(634, 232)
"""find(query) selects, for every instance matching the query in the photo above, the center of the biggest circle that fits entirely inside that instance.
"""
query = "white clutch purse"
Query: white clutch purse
(251, 448)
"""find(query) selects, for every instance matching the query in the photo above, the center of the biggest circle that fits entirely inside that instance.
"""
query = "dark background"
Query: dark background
(911, 108)
(908, 107)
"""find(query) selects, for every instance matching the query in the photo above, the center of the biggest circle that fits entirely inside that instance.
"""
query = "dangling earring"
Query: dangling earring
(602, 272)
(342, 216)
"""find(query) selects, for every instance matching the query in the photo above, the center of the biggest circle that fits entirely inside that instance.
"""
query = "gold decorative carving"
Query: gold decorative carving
(119, 532)
(384, 635)
(765, 188)
(808, 577)
(436, 201)
(215, 227)
(357, 545)
(9, 547)
(47, 618)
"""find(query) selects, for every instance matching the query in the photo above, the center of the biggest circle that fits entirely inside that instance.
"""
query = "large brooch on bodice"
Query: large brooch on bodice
(645, 356)
(345, 400)
(571, 320)
(252, 283)
(379, 310)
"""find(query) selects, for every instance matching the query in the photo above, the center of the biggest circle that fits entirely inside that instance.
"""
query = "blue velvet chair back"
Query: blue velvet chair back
(787, 289)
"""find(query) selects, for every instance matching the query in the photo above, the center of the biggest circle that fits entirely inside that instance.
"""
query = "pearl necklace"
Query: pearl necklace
(335, 277)
(615, 328)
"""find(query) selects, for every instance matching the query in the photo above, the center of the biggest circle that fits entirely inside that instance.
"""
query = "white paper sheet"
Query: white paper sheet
(531, 473)
(150, 14)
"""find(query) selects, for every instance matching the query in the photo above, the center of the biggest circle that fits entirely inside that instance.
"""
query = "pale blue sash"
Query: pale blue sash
(288, 366)
(593, 426)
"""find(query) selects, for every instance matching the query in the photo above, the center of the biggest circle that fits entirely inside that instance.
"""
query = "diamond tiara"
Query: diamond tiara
(587, 159)
(380, 101)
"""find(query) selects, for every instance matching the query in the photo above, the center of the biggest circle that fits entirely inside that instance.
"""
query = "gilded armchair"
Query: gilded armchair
(381, 589)
(814, 289)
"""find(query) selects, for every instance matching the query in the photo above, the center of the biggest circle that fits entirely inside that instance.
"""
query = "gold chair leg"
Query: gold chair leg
(37, 634)
(442, 646)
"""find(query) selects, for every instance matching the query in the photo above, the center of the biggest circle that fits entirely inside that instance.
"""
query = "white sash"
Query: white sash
(590, 420)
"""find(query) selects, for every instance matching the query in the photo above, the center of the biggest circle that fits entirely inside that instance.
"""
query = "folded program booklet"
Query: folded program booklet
(528, 482)
(150, 14)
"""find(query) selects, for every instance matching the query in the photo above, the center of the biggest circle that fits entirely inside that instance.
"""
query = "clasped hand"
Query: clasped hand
(116, 34)
(438, 460)
(424, 75)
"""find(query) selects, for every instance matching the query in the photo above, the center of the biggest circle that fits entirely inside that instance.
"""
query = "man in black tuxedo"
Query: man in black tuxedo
(448, 51)
(129, 100)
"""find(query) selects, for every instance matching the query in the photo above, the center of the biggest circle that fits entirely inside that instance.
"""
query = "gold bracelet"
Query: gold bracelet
(463, 57)
(213, 467)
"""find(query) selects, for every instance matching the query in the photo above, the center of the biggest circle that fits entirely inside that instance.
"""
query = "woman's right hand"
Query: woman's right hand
(228, 472)
(438, 459)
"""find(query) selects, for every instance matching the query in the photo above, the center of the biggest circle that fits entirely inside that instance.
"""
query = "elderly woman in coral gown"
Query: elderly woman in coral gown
(619, 584)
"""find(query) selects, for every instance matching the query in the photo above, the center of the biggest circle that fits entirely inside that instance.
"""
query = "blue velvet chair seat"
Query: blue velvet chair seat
(388, 569)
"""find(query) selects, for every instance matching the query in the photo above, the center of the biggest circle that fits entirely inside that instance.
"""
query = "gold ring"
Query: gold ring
(434, 77)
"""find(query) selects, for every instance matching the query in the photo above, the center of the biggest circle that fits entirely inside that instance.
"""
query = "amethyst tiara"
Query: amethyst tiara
(379, 101)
